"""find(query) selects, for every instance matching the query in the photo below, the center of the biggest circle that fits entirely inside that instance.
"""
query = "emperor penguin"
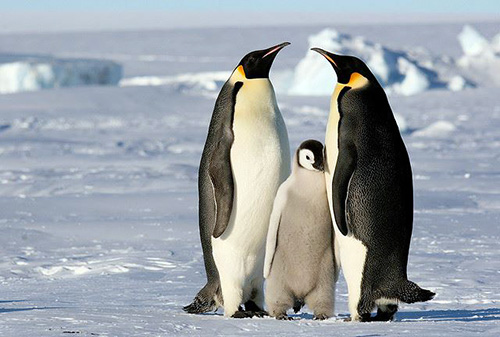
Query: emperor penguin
(370, 193)
(299, 265)
(245, 159)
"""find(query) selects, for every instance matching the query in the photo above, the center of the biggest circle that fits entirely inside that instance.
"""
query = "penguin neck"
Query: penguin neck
(331, 140)
(257, 93)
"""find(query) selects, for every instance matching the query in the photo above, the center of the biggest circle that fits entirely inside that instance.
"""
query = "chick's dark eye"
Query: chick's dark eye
(308, 158)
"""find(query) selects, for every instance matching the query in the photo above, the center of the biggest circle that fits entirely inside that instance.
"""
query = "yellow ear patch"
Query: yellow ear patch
(241, 71)
(357, 80)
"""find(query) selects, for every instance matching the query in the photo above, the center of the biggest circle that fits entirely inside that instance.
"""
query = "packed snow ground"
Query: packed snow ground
(98, 192)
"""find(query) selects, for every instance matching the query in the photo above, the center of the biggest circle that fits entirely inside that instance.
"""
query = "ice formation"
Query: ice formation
(204, 82)
(30, 73)
(474, 44)
(439, 129)
(481, 58)
(397, 71)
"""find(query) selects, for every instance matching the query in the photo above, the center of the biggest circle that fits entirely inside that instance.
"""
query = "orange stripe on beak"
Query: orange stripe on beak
(331, 60)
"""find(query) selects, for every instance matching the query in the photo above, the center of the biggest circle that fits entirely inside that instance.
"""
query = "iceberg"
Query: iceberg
(30, 73)
(481, 58)
(474, 44)
(397, 71)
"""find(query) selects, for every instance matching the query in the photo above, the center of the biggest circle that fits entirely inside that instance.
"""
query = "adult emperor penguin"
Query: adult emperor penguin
(370, 193)
(299, 265)
(245, 159)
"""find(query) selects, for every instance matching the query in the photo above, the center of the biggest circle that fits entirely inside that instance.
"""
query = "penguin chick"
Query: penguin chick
(299, 264)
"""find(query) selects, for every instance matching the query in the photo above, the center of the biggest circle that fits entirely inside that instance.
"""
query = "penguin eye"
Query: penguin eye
(308, 158)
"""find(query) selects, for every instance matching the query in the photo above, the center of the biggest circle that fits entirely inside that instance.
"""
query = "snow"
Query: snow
(439, 129)
(99, 193)
(201, 82)
(30, 73)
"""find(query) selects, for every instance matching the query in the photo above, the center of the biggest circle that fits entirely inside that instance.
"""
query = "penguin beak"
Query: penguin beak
(257, 64)
(339, 64)
(274, 49)
(332, 58)
(320, 166)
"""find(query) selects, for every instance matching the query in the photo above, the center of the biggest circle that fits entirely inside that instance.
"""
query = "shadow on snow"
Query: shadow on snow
(490, 314)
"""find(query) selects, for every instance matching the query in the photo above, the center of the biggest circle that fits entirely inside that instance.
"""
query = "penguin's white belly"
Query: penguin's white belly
(351, 255)
(257, 162)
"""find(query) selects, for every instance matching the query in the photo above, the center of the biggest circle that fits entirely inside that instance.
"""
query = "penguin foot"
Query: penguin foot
(200, 306)
(320, 317)
(259, 313)
(254, 309)
(362, 318)
(386, 313)
(242, 314)
(284, 317)
(366, 318)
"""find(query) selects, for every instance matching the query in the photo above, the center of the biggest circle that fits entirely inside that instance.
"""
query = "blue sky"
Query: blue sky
(366, 6)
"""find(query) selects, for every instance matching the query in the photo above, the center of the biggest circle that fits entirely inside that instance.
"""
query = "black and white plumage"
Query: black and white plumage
(370, 193)
(299, 265)
(245, 159)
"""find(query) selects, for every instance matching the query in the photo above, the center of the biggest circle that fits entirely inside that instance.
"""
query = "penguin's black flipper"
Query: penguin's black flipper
(219, 168)
(346, 163)
(222, 181)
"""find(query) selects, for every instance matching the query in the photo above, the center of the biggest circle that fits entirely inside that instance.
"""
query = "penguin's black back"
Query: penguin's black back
(218, 144)
(379, 207)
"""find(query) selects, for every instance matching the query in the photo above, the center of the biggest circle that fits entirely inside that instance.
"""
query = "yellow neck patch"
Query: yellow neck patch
(356, 81)
(241, 71)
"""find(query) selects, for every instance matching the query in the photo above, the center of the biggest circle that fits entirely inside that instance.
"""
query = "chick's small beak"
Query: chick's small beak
(319, 166)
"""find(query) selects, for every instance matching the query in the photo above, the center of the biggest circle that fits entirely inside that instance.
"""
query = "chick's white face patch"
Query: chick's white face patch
(306, 159)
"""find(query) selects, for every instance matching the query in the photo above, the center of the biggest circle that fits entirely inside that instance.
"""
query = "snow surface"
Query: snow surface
(29, 73)
(99, 195)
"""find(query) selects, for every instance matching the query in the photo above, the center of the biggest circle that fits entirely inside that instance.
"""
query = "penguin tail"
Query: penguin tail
(205, 301)
(410, 292)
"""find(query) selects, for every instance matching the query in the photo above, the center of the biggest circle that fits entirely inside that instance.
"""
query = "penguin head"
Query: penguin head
(257, 64)
(350, 70)
(310, 155)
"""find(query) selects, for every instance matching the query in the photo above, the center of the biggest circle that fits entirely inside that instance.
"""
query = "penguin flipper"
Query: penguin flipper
(272, 234)
(344, 170)
(221, 176)
(219, 167)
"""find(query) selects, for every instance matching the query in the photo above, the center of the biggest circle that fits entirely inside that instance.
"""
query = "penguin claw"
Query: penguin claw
(260, 313)
(284, 317)
(242, 314)
(199, 306)
(320, 317)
